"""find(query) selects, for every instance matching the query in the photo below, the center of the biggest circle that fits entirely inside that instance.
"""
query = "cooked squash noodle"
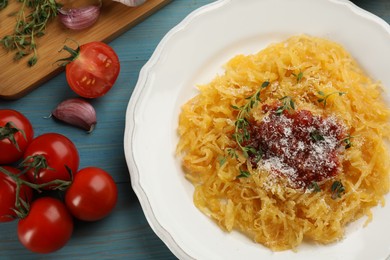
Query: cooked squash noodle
(262, 205)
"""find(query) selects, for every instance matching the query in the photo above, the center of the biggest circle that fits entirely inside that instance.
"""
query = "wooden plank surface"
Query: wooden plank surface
(17, 78)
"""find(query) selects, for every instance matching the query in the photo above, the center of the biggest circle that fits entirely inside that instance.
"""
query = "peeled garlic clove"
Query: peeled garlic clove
(77, 112)
(131, 2)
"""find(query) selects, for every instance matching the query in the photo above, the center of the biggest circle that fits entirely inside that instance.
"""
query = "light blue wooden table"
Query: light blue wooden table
(125, 234)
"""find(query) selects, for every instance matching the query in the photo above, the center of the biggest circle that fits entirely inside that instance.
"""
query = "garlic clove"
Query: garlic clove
(77, 112)
(131, 2)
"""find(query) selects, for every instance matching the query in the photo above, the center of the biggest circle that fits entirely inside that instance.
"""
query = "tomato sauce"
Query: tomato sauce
(298, 145)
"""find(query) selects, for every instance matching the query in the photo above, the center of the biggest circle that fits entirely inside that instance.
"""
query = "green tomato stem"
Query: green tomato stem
(20, 210)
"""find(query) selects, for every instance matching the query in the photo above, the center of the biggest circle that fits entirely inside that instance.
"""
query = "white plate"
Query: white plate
(193, 53)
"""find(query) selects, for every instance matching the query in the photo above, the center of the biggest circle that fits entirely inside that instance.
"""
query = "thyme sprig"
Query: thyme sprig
(324, 97)
(241, 131)
(288, 104)
(29, 26)
(242, 124)
(232, 153)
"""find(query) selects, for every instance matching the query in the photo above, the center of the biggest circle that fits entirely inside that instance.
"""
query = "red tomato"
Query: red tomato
(16, 133)
(94, 70)
(92, 195)
(58, 152)
(47, 227)
(8, 194)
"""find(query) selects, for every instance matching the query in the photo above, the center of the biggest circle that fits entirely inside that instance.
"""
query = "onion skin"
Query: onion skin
(79, 18)
(76, 112)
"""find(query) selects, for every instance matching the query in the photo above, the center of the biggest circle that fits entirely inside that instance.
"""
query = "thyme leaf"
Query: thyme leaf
(243, 174)
(232, 153)
(257, 153)
(314, 187)
(324, 97)
(288, 104)
(337, 189)
(316, 136)
(222, 160)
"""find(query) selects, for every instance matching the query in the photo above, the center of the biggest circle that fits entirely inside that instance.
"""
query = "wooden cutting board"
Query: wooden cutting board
(17, 78)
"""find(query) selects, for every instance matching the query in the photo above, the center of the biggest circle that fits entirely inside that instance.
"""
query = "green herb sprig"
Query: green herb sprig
(32, 19)
(242, 124)
(232, 153)
(241, 132)
(288, 104)
(337, 189)
(324, 97)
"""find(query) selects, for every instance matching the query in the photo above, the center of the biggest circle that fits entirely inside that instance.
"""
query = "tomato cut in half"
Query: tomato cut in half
(92, 70)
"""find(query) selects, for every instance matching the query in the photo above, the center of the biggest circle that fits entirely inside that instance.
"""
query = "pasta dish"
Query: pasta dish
(288, 144)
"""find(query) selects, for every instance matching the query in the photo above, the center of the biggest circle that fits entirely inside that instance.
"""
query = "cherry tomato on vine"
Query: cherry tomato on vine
(16, 132)
(47, 227)
(92, 195)
(8, 193)
(92, 69)
(50, 157)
